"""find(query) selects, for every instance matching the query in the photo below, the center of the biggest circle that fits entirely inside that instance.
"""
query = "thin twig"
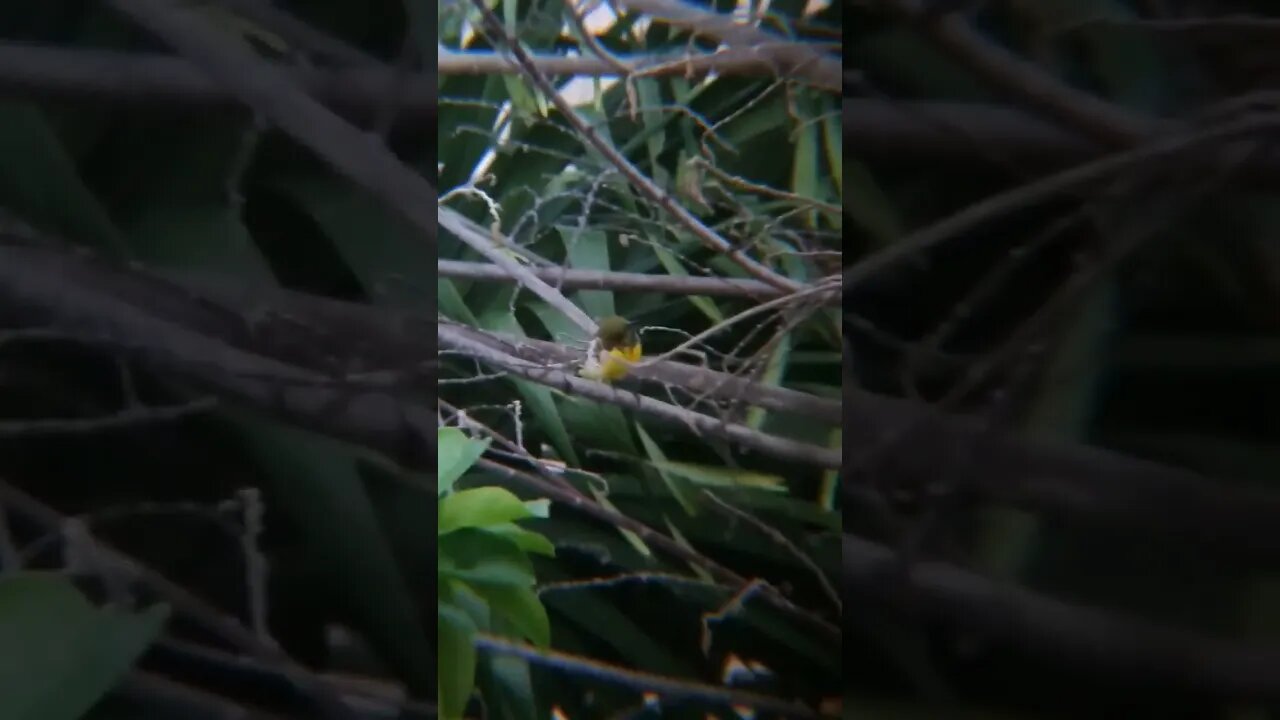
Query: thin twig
(577, 279)
(672, 688)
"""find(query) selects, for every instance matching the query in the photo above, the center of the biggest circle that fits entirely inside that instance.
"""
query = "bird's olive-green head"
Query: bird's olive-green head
(616, 332)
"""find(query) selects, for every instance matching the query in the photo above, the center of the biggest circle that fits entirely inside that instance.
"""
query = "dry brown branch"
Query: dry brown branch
(698, 381)
(457, 340)
(793, 60)
(575, 279)
(641, 681)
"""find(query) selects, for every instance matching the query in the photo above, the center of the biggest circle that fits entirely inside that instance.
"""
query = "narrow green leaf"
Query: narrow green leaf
(479, 507)
(678, 485)
(456, 662)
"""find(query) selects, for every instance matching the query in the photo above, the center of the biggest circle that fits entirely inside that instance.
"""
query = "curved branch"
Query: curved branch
(701, 382)
(796, 60)
(666, 687)
(577, 279)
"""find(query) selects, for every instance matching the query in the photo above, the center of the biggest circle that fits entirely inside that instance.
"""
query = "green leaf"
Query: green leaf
(40, 181)
(804, 166)
(479, 508)
(678, 486)
(478, 557)
(683, 542)
(586, 609)
(392, 260)
(455, 454)
(773, 375)
(833, 143)
(717, 476)
(629, 535)
(451, 303)
(674, 267)
(176, 209)
(508, 687)
(58, 654)
(521, 608)
(456, 666)
(589, 250)
(526, 540)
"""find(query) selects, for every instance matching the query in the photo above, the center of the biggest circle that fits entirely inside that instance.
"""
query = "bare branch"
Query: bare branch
(484, 243)
(575, 279)
(664, 686)
(749, 62)
(452, 338)
(803, 62)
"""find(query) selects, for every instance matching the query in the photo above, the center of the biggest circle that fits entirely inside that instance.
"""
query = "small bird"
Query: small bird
(612, 352)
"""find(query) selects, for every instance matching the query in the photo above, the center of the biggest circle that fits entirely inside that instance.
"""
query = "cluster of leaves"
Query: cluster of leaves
(485, 577)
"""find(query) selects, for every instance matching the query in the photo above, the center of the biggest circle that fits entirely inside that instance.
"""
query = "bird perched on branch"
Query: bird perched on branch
(613, 350)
